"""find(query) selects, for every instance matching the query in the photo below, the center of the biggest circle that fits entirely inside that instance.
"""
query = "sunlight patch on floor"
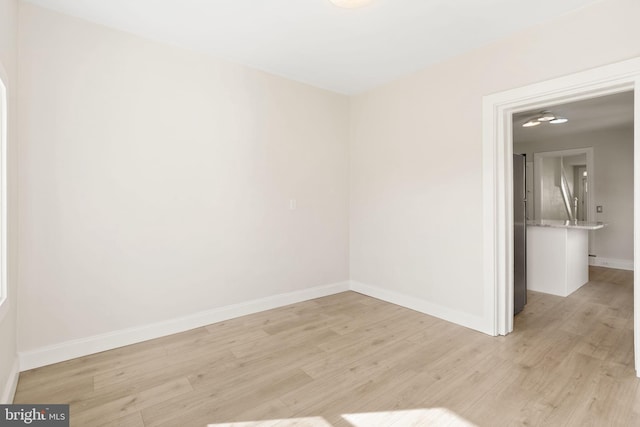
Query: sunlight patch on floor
(290, 422)
(437, 417)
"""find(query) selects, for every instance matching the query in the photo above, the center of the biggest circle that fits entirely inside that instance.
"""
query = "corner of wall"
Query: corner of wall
(9, 388)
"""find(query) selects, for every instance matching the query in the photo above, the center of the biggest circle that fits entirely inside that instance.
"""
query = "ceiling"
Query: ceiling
(604, 112)
(312, 41)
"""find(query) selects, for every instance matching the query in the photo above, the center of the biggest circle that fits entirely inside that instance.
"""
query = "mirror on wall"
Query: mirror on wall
(562, 185)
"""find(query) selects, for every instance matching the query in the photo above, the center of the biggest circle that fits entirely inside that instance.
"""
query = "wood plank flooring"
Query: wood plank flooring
(351, 360)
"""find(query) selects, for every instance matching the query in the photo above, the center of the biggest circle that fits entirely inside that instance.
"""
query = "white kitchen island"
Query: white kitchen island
(558, 255)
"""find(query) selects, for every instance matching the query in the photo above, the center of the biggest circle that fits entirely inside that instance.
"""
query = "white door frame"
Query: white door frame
(497, 173)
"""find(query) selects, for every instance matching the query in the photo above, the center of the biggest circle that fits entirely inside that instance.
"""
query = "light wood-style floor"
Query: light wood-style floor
(351, 360)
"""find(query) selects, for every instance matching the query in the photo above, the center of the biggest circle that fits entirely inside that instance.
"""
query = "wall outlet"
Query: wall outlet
(599, 209)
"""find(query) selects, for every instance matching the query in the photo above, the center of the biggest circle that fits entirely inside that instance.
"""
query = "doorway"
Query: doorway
(498, 178)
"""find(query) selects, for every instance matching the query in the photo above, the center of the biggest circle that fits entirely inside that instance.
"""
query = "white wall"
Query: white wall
(8, 73)
(416, 155)
(155, 182)
(613, 175)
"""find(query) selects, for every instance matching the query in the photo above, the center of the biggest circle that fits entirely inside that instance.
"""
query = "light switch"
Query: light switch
(599, 209)
(293, 204)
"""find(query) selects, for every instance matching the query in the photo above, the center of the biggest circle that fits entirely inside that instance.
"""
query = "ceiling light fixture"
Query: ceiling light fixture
(350, 4)
(531, 123)
(544, 117)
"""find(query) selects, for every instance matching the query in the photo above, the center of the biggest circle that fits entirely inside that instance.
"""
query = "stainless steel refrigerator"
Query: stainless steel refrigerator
(519, 233)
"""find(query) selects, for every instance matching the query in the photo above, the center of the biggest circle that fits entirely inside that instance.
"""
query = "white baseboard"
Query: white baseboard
(621, 264)
(477, 323)
(94, 344)
(9, 389)
(97, 343)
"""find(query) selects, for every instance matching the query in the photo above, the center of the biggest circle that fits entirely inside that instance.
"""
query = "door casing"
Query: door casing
(497, 161)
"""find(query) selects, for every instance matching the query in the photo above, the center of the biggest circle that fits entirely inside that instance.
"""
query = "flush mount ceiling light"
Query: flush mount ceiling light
(531, 123)
(350, 4)
(544, 117)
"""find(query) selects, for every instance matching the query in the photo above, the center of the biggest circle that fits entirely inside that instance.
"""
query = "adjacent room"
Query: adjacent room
(575, 185)
(285, 212)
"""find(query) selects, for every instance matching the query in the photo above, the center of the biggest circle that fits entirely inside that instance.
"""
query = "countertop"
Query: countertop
(581, 225)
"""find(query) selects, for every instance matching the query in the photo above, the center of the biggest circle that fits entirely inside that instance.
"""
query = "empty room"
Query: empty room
(324, 213)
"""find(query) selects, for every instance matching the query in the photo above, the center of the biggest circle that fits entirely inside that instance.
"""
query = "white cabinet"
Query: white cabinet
(558, 255)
